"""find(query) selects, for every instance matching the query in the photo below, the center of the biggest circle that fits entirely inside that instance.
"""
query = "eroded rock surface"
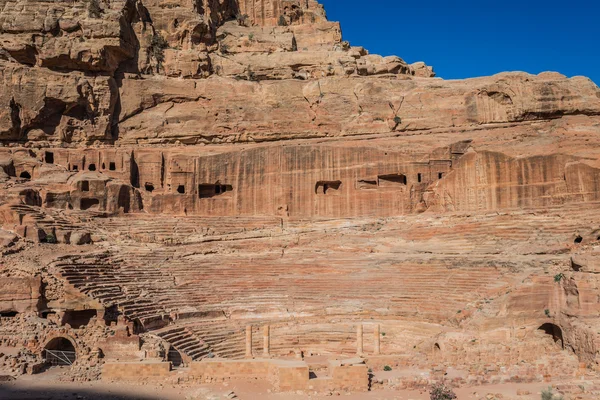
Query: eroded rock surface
(171, 172)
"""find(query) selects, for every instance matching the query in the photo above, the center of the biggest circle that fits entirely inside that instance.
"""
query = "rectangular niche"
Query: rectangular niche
(208, 190)
(366, 184)
(327, 187)
(392, 180)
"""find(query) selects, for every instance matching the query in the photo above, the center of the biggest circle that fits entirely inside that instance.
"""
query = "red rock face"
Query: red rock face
(170, 173)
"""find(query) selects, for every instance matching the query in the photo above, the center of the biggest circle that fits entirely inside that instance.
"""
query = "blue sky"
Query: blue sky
(465, 38)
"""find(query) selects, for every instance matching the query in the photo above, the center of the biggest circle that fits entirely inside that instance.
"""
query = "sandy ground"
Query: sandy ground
(45, 387)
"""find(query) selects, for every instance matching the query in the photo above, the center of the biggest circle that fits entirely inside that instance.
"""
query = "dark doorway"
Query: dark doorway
(124, 199)
(92, 167)
(8, 314)
(78, 319)
(85, 186)
(555, 332)
(86, 204)
(175, 358)
(206, 191)
(60, 351)
(49, 157)
(25, 175)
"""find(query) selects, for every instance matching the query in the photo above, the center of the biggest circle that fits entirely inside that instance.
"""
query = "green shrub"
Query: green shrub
(158, 44)
(50, 238)
(559, 277)
(440, 391)
(548, 394)
(397, 120)
(547, 312)
(282, 21)
(387, 368)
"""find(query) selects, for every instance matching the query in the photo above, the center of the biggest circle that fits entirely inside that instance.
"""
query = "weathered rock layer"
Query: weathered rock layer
(171, 172)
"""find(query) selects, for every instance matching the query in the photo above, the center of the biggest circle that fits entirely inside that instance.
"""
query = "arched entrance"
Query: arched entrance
(555, 332)
(175, 358)
(60, 351)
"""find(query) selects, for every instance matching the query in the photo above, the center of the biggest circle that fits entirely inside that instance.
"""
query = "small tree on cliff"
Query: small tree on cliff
(158, 44)
(439, 391)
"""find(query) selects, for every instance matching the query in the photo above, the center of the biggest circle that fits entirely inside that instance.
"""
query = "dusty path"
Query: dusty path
(33, 388)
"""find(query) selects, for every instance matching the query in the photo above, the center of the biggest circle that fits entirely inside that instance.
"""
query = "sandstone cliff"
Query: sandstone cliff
(179, 167)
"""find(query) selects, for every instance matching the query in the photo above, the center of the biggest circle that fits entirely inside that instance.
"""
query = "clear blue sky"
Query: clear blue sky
(465, 38)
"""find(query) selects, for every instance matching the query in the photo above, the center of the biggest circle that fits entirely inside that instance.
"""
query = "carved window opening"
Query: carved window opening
(78, 319)
(206, 191)
(419, 178)
(440, 175)
(181, 189)
(8, 314)
(46, 314)
(112, 166)
(555, 332)
(85, 186)
(103, 166)
(366, 184)
(75, 168)
(392, 180)
(149, 187)
(25, 175)
(86, 204)
(49, 157)
(92, 167)
(578, 239)
(327, 187)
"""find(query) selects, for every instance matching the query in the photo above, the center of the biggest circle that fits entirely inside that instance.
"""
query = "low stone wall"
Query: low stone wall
(286, 376)
(352, 377)
(289, 376)
(216, 370)
(135, 371)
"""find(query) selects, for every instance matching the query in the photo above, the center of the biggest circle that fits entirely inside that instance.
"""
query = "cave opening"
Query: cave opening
(60, 351)
(86, 204)
(78, 319)
(175, 358)
(391, 180)
(206, 191)
(9, 314)
(327, 187)
(555, 332)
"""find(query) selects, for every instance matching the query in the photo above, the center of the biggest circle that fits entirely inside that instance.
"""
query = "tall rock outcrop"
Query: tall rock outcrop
(170, 169)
